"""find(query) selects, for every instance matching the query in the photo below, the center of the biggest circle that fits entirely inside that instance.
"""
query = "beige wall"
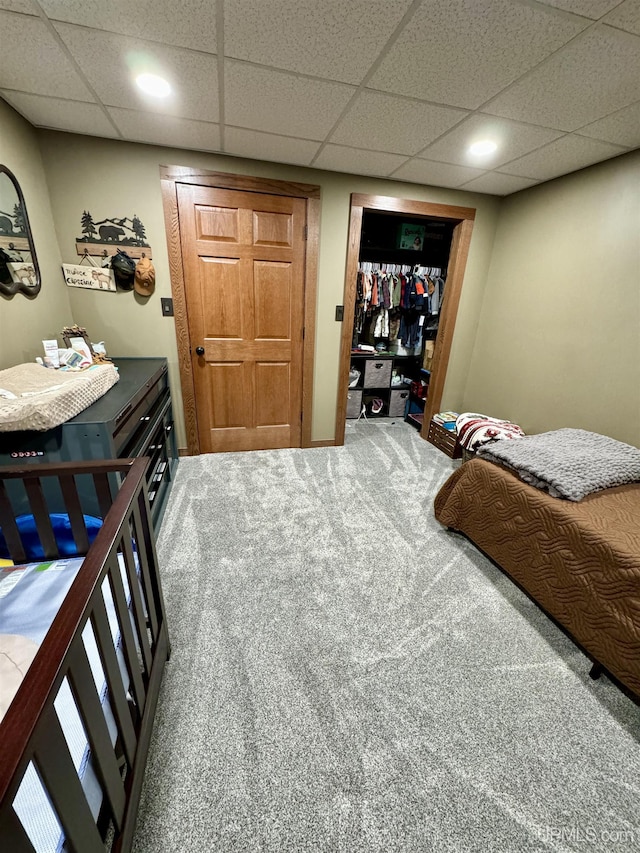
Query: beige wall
(25, 322)
(548, 329)
(558, 340)
(113, 178)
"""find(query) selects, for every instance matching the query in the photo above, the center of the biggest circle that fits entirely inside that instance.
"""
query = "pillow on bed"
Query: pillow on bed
(61, 530)
(16, 654)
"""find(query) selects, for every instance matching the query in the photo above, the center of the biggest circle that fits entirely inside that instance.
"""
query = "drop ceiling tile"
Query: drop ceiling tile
(513, 140)
(71, 116)
(263, 99)
(191, 23)
(50, 72)
(267, 146)
(626, 16)
(24, 6)
(437, 174)
(571, 90)
(166, 130)
(463, 52)
(498, 184)
(111, 61)
(334, 39)
(389, 123)
(565, 155)
(621, 128)
(593, 9)
(356, 161)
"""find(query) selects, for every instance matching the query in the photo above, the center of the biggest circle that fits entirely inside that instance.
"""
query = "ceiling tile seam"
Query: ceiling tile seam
(275, 135)
(433, 141)
(47, 97)
(159, 114)
(526, 124)
(78, 70)
(103, 32)
(408, 15)
(504, 175)
(472, 113)
(23, 13)
(557, 12)
(529, 72)
(297, 74)
(520, 156)
(420, 101)
(355, 147)
(220, 61)
(620, 29)
(623, 148)
(553, 141)
(441, 136)
(80, 133)
(603, 118)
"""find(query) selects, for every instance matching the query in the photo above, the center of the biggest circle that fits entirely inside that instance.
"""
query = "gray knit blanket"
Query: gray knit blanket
(568, 463)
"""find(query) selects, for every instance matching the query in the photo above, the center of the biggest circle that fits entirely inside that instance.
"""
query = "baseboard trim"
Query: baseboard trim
(327, 442)
(183, 451)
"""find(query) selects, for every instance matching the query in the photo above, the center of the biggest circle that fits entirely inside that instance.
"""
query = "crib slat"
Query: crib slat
(131, 651)
(33, 487)
(145, 547)
(138, 606)
(63, 786)
(113, 675)
(84, 690)
(10, 528)
(103, 493)
(13, 836)
(74, 511)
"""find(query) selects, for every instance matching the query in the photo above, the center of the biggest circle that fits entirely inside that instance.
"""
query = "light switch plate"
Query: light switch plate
(167, 307)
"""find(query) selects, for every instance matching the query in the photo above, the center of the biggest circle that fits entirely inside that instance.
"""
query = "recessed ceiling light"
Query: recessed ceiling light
(151, 84)
(482, 147)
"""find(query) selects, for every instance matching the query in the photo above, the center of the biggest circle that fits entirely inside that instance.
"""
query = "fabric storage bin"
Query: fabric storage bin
(354, 403)
(377, 373)
(397, 402)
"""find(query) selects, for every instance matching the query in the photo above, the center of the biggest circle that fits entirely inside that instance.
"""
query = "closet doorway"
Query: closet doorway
(456, 224)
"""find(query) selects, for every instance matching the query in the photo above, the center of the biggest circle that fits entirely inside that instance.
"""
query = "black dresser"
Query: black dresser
(134, 418)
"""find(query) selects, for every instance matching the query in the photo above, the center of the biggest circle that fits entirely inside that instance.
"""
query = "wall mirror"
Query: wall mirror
(19, 272)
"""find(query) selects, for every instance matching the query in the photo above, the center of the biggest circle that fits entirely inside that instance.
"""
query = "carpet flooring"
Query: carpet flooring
(349, 676)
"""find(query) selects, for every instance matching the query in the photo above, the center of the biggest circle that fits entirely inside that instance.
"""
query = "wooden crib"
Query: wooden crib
(117, 597)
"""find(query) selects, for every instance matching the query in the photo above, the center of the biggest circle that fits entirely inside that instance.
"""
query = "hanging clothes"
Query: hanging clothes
(396, 301)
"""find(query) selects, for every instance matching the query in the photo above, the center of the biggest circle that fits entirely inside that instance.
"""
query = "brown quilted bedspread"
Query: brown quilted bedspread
(580, 561)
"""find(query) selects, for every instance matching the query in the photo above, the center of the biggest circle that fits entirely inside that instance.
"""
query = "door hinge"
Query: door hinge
(305, 232)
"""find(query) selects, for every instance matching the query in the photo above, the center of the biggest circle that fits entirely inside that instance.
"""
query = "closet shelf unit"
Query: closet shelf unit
(379, 378)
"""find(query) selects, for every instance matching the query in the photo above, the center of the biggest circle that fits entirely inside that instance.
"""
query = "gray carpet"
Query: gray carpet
(349, 676)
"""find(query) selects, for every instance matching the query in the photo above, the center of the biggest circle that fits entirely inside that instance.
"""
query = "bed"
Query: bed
(580, 560)
(75, 736)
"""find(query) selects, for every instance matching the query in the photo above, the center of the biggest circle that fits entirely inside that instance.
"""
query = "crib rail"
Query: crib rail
(120, 565)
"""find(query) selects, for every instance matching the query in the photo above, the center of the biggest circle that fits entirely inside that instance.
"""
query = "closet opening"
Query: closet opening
(405, 266)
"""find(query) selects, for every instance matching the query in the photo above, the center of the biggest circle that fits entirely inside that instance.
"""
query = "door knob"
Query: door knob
(199, 350)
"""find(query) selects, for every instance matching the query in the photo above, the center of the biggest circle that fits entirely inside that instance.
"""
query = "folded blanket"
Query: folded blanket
(475, 430)
(568, 463)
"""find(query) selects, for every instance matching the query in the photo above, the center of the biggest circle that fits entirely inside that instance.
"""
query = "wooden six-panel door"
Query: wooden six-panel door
(243, 258)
